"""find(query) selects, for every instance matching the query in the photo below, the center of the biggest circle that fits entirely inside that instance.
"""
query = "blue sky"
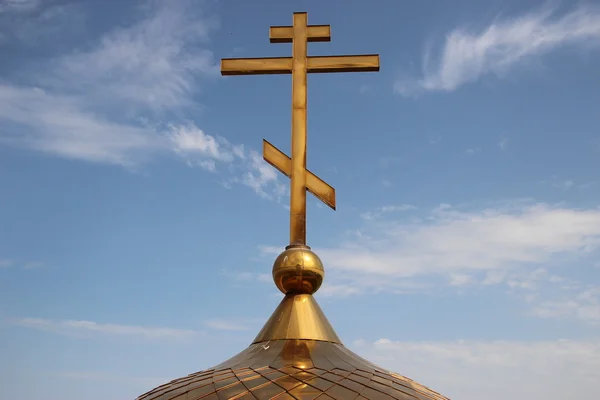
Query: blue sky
(139, 222)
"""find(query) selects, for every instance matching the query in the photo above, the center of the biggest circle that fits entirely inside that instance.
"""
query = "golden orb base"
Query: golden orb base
(298, 271)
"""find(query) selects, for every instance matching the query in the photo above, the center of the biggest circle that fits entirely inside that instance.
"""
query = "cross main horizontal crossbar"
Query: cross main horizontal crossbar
(314, 184)
(315, 64)
(314, 33)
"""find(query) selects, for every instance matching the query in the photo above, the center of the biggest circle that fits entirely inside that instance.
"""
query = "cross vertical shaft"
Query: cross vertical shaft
(298, 178)
(299, 65)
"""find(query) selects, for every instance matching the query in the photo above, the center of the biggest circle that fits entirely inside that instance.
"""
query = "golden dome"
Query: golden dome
(294, 369)
(297, 355)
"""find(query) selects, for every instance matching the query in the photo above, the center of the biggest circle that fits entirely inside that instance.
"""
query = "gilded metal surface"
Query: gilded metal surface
(314, 184)
(299, 34)
(298, 317)
(314, 33)
(294, 370)
(298, 270)
(298, 180)
(284, 65)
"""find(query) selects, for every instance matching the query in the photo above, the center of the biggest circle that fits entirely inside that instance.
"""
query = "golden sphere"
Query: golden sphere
(298, 270)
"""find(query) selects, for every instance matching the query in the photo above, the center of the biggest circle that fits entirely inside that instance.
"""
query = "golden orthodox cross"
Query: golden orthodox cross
(299, 65)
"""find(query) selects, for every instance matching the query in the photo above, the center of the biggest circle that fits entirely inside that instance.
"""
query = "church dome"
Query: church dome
(297, 355)
(293, 369)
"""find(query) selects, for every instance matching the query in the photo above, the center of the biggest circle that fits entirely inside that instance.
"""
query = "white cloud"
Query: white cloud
(389, 160)
(585, 307)
(270, 250)
(5, 263)
(262, 178)
(154, 63)
(81, 327)
(567, 184)
(18, 5)
(193, 140)
(460, 279)
(516, 246)
(202, 149)
(33, 265)
(503, 144)
(228, 324)
(245, 168)
(451, 241)
(370, 215)
(57, 125)
(334, 290)
(100, 104)
(39, 24)
(494, 277)
(247, 276)
(148, 382)
(494, 370)
(504, 44)
(87, 104)
(587, 185)
(434, 139)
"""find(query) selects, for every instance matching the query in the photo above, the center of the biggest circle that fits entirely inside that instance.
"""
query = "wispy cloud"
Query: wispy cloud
(262, 178)
(467, 55)
(567, 183)
(96, 105)
(56, 124)
(225, 325)
(503, 144)
(370, 215)
(83, 328)
(270, 250)
(516, 245)
(243, 167)
(111, 378)
(5, 263)
(38, 23)
(232, 324)
(364, 89)
(434, 139)
(155, 63)
(18, 5)
(198, 147)
(389, 160)
(335, 290)
(449, 240)
(494, 370)
(386, 183)
(123, 100)
(242, 278)
(33, 265)
(585, 307)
